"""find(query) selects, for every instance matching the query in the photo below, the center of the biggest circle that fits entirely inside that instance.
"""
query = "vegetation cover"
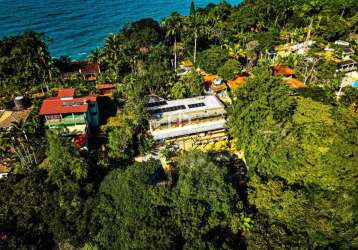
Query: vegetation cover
(294, 189)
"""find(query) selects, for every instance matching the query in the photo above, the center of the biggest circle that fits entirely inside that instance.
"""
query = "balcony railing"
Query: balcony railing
(66, 121)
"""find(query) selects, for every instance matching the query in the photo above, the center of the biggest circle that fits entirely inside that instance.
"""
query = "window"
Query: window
(156, 104)
(165, 110)
(196, 105)
(69, 104)
(92, 105)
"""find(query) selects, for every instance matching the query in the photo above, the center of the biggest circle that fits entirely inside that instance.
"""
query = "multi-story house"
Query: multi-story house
(76, 114)
(187, 122)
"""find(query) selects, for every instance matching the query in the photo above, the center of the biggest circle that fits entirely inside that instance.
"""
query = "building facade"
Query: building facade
(76, 114)
(187, 122)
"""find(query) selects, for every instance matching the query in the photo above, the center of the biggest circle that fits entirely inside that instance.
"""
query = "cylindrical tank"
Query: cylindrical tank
(19, 102)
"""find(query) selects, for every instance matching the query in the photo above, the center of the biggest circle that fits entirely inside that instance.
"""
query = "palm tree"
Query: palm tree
(236, 52)
(95, 56)
(174, 25)
(196, 28)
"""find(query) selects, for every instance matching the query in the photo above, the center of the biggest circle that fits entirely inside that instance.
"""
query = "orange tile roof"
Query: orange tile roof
(69, 92)
(280, 70)
(294, 83)
(210, 79)
(105, 86)
(237, 82)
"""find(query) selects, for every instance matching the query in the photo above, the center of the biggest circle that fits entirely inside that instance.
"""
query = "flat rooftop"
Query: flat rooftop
(180, 106)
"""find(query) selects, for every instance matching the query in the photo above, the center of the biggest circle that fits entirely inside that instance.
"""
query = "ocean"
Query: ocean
(76, 27)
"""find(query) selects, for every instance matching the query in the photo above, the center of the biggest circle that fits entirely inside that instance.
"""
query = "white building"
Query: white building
(187, 122)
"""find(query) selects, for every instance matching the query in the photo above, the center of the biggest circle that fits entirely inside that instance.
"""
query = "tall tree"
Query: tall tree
(128, 217)
(174, 26)
(301, 161)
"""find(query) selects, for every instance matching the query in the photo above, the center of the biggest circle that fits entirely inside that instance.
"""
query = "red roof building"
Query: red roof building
(105, 89)
(65, 93)
(55, 106)
(90, 71)
(66, 110)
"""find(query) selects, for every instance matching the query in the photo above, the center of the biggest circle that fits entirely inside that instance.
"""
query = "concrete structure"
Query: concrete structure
(301, 48)
(346, 66)
(187, 122)
(77, 114)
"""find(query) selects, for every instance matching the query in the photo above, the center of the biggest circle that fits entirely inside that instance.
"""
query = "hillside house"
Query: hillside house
(187, 122)
(89, 71)
(77, 114)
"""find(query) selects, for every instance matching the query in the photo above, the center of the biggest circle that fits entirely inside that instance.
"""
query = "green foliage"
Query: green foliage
(126, 213)
(63, 162)
(129, 136)
(212, 59)
(230, 69)
(300, 150)
(264, 103)
(302, 158)
(189, 85)
(25, 63)
(350, 98)
(204, 205)
(22, 218)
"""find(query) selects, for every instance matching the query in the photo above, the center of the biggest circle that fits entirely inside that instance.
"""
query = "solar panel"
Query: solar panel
(168, 109)
(196, 105)
(69, 104)
(156, 104)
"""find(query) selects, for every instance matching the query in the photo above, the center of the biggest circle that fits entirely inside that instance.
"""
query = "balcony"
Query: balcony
(68, 121)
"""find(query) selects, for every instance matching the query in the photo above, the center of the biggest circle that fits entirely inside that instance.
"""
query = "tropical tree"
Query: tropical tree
(173, 25)
(127, 213)
(95, 56)
(230, 69)
(204, 206)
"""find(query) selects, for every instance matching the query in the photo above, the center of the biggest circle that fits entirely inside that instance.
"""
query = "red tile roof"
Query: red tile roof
(280, 70)
(55, 106)
(105, 86)
(69, 92)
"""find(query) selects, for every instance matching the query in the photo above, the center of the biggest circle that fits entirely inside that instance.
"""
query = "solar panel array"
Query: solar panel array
(196, 105)
(69, 104)
(156, 104)
(168, 109)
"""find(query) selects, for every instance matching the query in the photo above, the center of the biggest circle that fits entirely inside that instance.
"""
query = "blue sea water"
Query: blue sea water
(76, 27)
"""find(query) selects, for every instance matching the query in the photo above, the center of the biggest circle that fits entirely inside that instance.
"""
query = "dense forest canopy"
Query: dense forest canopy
(293, 188)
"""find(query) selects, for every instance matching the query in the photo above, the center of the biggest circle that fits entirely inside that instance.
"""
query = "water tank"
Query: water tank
(19, 102)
